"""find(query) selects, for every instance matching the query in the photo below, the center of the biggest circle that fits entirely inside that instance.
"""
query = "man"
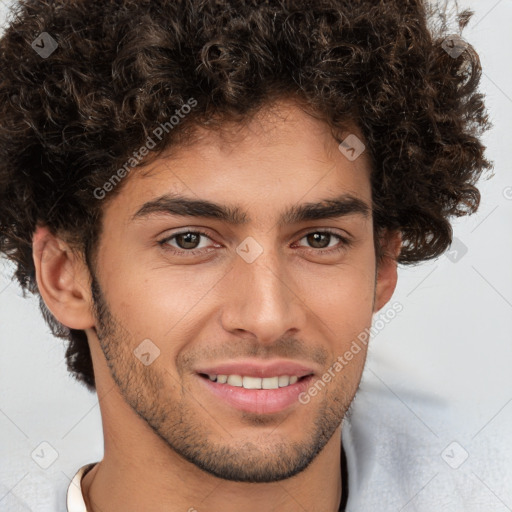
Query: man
(211, 199)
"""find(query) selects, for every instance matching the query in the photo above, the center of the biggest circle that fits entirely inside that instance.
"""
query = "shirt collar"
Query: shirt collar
(75, 499)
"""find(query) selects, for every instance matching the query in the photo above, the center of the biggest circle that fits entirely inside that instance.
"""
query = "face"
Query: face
(266, 284)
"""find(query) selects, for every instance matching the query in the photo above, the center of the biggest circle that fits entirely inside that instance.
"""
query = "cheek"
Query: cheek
(161, 303)
(342, 296)
(341, 306)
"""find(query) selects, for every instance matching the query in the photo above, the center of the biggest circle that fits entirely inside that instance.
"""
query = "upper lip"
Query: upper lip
(258, 368)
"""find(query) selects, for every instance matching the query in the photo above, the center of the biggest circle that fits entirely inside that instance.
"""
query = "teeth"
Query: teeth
(251, 382)
(255, 382)
(270, 383)
(235, 380)
(283, 381)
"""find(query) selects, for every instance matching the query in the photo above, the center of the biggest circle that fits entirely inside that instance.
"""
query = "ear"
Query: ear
(386, 279)
(63, 280)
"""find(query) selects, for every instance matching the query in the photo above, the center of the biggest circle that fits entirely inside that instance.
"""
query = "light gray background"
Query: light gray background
(439, 373)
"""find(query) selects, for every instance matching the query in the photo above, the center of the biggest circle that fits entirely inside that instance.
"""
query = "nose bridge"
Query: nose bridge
(261, 299)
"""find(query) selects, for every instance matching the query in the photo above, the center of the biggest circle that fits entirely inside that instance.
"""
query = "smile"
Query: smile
(248, 394)
(248, 382)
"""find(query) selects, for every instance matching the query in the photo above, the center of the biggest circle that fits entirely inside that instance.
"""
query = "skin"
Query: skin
(169, 443)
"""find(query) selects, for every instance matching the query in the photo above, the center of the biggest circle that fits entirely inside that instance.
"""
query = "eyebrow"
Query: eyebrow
(176, 204)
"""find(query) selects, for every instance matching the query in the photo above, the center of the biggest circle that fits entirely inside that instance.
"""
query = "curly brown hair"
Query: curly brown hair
(68, 120)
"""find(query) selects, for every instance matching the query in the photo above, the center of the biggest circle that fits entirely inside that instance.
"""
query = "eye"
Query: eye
(187, 242)
(323, 240)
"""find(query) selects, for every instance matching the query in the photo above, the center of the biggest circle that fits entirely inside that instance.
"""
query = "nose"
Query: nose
(263, 298)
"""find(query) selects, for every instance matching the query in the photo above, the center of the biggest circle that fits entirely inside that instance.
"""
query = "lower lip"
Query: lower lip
(259, 401)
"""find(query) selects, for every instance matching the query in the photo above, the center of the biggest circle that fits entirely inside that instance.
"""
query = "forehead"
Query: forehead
(273, 127)
(280, 155)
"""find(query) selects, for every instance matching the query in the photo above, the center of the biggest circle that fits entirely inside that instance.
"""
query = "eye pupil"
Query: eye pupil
(314, 239)
(187, 244)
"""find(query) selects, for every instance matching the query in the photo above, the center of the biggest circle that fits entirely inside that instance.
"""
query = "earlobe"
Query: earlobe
(387, 274)
(62, 280)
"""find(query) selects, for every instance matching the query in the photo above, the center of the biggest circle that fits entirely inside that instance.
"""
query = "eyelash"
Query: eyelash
(345, 242)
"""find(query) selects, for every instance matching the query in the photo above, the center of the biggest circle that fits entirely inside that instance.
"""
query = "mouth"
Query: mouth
(250, 382)
(258, 395)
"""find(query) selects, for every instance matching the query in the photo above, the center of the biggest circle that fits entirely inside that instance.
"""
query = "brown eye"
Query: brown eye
(188, 240)
(319, 240)
(323, 240)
